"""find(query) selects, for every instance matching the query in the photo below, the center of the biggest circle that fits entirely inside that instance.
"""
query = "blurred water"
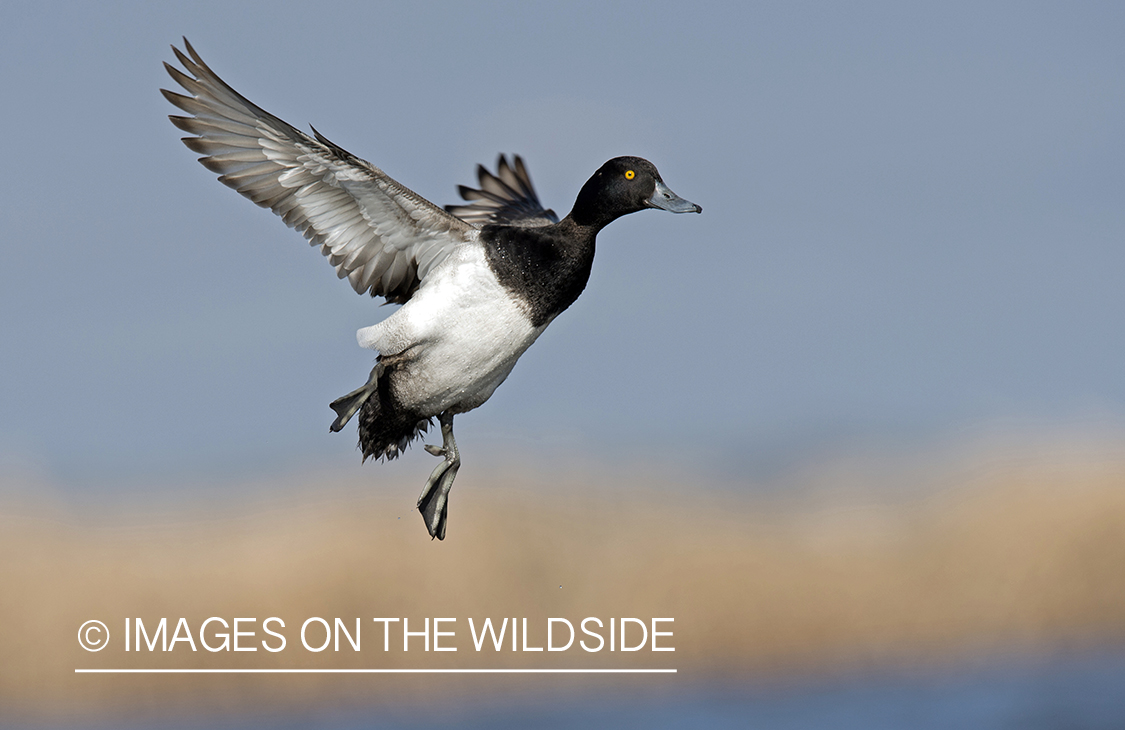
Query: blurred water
(1083, 692)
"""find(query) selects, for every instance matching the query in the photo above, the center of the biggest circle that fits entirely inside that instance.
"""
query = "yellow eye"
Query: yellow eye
(629, 174)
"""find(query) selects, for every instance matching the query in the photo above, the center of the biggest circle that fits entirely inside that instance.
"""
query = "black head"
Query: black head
(625, 185)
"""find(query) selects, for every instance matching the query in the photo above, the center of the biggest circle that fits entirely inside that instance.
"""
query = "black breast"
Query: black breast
(546, 267)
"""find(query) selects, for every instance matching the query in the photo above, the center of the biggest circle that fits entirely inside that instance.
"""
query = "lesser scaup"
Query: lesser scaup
(478, 283)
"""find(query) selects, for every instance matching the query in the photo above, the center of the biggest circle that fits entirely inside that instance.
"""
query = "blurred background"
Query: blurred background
(858, 427)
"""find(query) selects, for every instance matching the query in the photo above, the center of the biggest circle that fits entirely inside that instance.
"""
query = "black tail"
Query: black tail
(386, 428)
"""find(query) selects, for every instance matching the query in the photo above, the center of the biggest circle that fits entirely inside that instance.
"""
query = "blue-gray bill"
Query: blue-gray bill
(665, 199)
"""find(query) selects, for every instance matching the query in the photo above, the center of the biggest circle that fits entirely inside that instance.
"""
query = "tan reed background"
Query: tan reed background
(832, 570)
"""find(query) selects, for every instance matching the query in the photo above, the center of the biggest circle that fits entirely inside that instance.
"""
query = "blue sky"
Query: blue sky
(914, 224)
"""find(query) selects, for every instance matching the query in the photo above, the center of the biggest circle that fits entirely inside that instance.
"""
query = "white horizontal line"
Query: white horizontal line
(374, 671)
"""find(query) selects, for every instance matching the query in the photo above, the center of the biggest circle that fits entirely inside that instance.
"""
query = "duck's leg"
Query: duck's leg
(348, 405)
(433, 503)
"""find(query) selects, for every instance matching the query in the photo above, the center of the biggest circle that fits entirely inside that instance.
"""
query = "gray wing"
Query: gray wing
(507, 197)
(382, 236)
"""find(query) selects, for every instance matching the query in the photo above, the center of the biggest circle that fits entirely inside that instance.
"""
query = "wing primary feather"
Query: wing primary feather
(375, 231)
(508, 198)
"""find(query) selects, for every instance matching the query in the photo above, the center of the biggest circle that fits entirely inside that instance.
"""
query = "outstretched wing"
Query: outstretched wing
(507, 197)
(382, 236)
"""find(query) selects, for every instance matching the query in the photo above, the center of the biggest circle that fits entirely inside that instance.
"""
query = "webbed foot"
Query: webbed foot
(348, 405)
(433, 503)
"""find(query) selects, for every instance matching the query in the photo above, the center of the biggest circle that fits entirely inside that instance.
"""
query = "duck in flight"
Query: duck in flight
(478, 282)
